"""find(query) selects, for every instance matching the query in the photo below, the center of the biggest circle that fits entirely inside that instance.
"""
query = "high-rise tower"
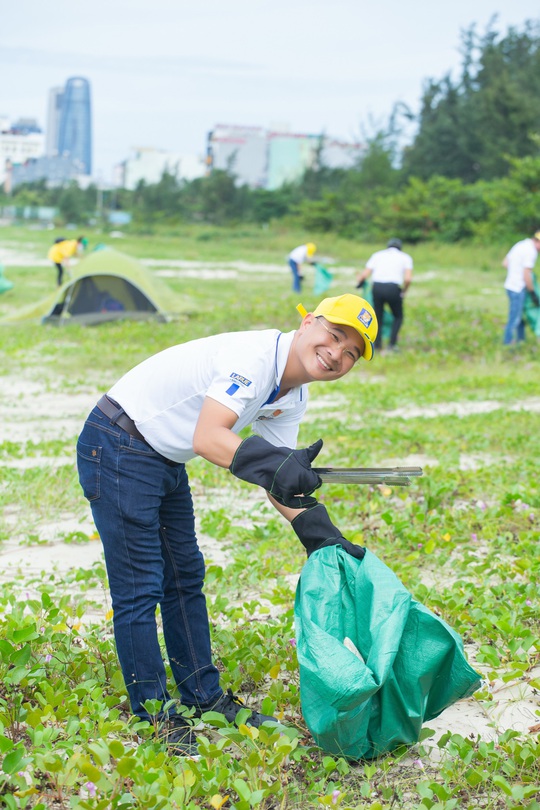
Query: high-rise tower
(75, 129)
(54, 111)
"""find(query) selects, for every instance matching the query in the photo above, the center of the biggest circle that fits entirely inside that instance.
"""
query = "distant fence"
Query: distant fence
(40, 213)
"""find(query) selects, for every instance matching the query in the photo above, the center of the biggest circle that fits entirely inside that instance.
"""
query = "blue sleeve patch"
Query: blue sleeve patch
(232, 389)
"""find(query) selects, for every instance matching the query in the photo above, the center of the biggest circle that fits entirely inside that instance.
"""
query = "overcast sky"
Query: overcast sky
(164, 72)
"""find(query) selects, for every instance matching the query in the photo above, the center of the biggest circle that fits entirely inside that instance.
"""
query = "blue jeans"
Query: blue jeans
(297, 278)
(515, 324)
(143, 511)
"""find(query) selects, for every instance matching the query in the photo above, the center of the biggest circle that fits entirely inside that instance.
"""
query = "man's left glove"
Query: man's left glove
(534, 298)
(315, 530)
(286, 474)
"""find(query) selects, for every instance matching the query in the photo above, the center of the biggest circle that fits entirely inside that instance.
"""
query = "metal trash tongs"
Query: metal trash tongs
(393, 476)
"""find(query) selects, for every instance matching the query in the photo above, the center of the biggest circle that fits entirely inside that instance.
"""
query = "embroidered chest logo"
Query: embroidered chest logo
(270, 415)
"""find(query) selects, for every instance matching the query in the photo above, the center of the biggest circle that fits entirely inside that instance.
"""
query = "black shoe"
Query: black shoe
(178, 735)
(229, 705)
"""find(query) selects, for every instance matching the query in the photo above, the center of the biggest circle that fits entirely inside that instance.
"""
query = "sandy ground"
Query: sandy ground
(50, 413)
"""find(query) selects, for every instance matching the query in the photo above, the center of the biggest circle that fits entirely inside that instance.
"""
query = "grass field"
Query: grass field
(464, 538)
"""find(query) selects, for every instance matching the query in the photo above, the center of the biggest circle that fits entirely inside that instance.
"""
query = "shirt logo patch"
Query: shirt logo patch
(365, 317)
(232, 389)
(240, 379)
(271, 415)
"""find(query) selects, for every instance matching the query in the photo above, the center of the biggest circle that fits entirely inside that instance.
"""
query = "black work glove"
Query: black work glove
(534, 298)
(361, 285)
(286, 474)
(315, 530)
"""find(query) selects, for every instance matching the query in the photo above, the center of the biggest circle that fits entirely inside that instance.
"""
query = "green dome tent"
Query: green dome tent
(105, 285)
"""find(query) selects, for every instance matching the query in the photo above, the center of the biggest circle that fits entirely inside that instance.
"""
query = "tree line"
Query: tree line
(471, 170)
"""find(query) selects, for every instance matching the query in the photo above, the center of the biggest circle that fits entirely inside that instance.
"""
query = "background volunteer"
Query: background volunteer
(62, 251)
(193, 399)
(391, 271)
(519, 262)
(297, 257)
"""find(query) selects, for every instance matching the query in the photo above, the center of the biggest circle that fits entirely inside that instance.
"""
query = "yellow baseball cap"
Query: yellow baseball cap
(311, 249)
(350, 310)
(537, 235)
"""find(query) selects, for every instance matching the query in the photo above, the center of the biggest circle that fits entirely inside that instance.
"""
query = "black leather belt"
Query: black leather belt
(119, 417)
(115, 412)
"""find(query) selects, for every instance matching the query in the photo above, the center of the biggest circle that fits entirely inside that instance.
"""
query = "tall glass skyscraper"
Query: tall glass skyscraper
(75, 128)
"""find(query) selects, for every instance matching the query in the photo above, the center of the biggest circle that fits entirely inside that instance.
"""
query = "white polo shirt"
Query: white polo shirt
(242, 370)
(522, 255)
(299, 254)
(388, 266)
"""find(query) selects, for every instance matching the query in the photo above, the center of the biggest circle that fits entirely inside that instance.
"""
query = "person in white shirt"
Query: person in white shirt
(391, 271)
(192, 400)
(519, 263)
(300, 255)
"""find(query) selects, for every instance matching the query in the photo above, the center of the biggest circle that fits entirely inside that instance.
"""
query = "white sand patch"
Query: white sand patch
(19, 258)
(413, 460)
(514, 706)
(479, 461)
(461, 409)
(202, 275)
(30, 411)
(198, 267)
(29, 462)
(327, 403)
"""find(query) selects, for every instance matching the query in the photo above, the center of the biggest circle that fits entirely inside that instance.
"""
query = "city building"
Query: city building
(56, 170)
(54, 109)
(148, 164)
(289, 155)
(267, 159)
(75, 124)
(19, 142)
(242, 151)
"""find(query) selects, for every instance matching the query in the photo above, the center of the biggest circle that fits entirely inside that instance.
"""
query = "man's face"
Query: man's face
(537, 244)
(327, 350)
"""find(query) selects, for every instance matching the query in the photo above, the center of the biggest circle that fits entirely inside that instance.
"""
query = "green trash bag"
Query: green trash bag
(374, 663)
(5, 284)
(531, 312)
(323, 278)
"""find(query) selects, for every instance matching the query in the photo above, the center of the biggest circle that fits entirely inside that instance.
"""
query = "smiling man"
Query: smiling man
(192, 400)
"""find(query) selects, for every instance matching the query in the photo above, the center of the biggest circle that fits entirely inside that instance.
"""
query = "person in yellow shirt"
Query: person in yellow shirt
(62, 251)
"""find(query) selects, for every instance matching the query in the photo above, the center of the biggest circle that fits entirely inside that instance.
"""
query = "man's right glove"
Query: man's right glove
(534, 298)
(286, 474)
(361, 285)
(315, 530)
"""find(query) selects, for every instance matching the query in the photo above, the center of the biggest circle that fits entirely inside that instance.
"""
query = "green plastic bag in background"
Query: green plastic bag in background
(374, 663)
(323, 279)
(532, 313)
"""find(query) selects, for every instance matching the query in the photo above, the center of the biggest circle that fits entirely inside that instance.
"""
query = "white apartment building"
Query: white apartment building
(17, 148)
(148, 164)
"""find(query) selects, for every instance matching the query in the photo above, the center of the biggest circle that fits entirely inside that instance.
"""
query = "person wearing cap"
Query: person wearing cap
(62, 251)
(303, 254)
(391, 272)
(192, 400)
(519, 263)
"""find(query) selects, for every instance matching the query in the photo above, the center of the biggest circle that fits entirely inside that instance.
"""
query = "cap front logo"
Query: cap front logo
(365, 317)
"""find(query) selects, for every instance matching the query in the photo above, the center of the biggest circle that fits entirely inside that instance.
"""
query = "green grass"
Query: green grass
(464, 540)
